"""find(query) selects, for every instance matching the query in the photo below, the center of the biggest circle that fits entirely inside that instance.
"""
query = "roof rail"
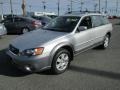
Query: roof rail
(82, 12)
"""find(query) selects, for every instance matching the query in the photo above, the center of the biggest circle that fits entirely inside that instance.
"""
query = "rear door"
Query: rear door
(20, 23)
(9, 24)
(99, 28)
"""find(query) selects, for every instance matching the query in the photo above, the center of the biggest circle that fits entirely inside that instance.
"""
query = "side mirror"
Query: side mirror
(82, 28)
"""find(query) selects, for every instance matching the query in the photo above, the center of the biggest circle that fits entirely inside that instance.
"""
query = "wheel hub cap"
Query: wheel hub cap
(62, 62)
(106, 42)
(25, 30)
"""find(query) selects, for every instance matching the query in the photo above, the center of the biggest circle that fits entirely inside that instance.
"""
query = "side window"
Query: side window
(18, 19)
(99, 21)
(105, 20)
(9, 20)
(86, 22)
(102, 20)
(96, 21)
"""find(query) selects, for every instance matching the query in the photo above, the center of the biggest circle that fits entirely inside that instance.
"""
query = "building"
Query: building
(50, 14)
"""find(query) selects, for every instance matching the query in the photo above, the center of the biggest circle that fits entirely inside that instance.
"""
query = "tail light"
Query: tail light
(36, 24)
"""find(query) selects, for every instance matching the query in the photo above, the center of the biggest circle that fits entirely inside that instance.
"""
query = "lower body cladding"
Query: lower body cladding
(30, 64)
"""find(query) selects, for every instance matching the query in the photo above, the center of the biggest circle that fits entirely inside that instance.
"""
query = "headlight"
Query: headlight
(33, 52)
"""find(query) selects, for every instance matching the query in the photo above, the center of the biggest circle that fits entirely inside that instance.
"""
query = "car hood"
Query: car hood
(35, 39)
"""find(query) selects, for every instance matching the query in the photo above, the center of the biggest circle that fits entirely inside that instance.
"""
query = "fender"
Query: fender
(57, 47)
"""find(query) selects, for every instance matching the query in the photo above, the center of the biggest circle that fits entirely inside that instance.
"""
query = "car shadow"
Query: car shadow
(6, 68)
(95, 72)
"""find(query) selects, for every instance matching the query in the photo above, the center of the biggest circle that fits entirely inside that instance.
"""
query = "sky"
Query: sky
(51, 5)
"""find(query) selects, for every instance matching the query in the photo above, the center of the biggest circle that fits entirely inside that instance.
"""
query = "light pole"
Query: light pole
(23, 7)
(81, 5)
(11, 7)
(116, 7)
(71, 5)
(44, 6)
(106, 3)
(58, 7)
(30, 6)
(95, 7)
(68, 8)
(1, 3)
(99, 6)
(102, 10)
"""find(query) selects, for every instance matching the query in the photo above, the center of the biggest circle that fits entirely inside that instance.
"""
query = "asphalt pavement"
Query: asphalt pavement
(92, 70)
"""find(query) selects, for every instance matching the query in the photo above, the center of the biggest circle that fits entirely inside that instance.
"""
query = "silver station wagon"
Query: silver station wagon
(55, 46)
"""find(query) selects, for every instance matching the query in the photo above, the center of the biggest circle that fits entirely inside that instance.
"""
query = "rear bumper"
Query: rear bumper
(30, 64)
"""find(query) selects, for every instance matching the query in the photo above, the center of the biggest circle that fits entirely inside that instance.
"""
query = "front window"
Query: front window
(63, 24)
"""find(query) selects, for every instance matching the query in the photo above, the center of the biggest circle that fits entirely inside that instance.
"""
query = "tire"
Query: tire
(61, 61)
(25, 30)
(105, 42)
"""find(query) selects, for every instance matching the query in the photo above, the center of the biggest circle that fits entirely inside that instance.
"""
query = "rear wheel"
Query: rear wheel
(61, 61)
(105, 42)
(25, 30)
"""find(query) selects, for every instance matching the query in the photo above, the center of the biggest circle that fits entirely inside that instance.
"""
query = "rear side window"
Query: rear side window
(19, 19)
(28, 20)
(105, 20)
(99, 20)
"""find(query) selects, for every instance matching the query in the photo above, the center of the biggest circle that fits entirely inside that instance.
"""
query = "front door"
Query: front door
(83, 38)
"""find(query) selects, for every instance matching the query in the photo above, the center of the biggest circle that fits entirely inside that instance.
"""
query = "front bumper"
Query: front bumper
(30, 64)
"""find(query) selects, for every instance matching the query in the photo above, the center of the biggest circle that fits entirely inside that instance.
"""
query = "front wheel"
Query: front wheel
(61, 61)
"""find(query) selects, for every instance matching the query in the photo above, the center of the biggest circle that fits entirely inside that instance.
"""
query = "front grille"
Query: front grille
(14, 50)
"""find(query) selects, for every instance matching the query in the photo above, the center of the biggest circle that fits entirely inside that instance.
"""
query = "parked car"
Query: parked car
(52, 16)
(55, 46)
(20, 25)
(3, 30)
(43, 19)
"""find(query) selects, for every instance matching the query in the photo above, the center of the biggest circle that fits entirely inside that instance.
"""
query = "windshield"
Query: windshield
(63, 24)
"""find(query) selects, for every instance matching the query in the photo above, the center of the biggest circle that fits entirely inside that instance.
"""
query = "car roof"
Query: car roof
(26, 18)
(46, 17)
(81, 14)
